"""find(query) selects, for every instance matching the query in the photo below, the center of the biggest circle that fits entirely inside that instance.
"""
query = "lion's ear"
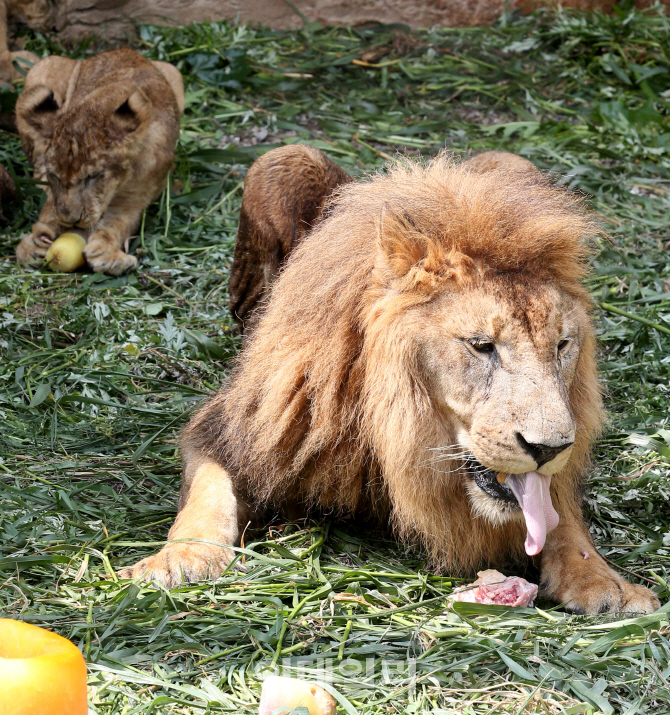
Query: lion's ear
(38, 108)
(133, 112)
(416, 259)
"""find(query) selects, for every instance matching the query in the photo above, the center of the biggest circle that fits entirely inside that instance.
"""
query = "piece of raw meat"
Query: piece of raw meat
(492, 587)
(282, 695)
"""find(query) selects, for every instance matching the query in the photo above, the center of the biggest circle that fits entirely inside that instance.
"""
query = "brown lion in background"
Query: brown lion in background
(426, 356)
(40, 15)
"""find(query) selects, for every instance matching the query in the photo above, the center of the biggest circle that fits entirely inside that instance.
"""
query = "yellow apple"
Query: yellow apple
(66, 253)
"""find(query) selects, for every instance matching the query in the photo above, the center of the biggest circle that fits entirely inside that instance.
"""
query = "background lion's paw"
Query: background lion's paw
(24, 59)
(608, 594)
(177, 563)
(102, 258)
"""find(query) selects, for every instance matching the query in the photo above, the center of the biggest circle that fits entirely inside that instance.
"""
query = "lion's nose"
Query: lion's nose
(542, 453)
(69, 217)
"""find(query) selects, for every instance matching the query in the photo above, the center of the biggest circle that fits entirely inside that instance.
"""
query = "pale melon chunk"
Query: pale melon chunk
(281, 695)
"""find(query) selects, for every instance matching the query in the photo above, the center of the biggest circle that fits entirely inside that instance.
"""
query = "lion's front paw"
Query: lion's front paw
(176, 563)
(607, 592)
(104, 258)
(33, 248)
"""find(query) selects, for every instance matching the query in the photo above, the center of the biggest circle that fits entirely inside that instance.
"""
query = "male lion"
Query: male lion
(102, 133)
(427, 356)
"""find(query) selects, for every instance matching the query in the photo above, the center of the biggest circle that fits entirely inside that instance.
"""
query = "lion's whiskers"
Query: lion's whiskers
(443, 454)
(460, 468)
(442, 459)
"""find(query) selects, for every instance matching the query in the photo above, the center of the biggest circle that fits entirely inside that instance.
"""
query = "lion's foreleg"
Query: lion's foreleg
(4, 40)
(574, 573)
(205, 525)
(105, 246)
(7, 71)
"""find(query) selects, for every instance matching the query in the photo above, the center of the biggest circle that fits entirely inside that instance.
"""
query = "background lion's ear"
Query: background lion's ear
(415, 258)
(133, 112)
(38, 107)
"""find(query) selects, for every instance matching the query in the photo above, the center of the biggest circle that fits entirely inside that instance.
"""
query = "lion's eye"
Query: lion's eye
(91, 178)
(563, 346)
(483, 347)
(52, 178)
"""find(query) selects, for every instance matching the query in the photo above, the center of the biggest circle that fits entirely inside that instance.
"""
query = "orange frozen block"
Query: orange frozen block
(41, 673)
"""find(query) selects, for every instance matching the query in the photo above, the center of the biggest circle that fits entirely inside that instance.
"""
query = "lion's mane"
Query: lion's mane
(327, 406)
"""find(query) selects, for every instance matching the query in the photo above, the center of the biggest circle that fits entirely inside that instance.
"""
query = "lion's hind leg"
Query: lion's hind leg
(284, 195)
(207, 523)
(500, 161)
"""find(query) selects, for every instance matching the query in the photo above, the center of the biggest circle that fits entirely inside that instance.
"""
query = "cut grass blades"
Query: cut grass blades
(97, 375)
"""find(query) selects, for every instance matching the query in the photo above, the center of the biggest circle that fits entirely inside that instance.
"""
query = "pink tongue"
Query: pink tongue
(532, 492)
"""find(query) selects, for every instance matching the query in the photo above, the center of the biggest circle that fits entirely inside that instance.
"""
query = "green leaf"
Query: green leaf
(41, 393)
(583, 691)
(518, 669)
(205, 345)
(153, 308)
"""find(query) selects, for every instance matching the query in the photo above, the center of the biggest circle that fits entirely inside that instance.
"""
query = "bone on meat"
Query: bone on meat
(492, 587)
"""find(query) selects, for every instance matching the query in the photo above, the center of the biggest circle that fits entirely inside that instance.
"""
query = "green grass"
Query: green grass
(97, 375)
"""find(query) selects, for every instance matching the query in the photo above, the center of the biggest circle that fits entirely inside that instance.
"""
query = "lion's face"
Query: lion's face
(82, 194)
(499, 361)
